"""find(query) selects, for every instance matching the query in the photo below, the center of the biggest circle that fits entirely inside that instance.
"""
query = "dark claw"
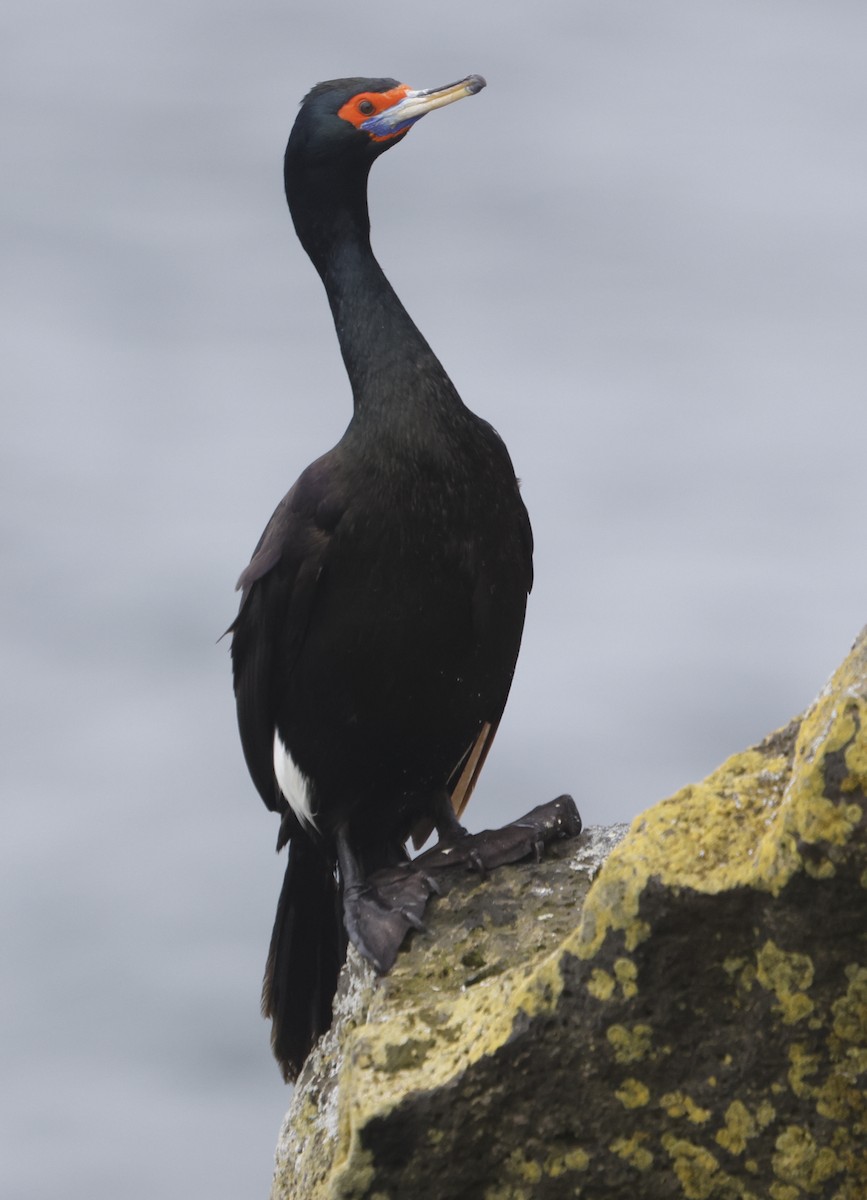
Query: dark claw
(475, 862)
(415, 922)
(435, 888)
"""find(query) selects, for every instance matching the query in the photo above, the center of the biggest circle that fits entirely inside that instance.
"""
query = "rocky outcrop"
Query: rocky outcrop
(677, 1012)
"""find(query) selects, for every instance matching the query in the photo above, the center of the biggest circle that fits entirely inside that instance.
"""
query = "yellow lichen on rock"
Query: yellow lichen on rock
(804, 1064)
(740, 1126)
(828, 773)
(799, 1160)
(556, 1165)
(478, 1021)
(632, 1093)
(850, 1011)
(630, 1045)
(697, 1169)
(784, 1191)
(633, 1150)
(788, 976)
(526, 1169)
(704, 836)
(600, 984)
(626, 973)
(748, 823)
(678, 1104)
(526, 1174)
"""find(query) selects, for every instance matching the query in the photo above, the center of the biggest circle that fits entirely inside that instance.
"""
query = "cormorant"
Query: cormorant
(382, 611)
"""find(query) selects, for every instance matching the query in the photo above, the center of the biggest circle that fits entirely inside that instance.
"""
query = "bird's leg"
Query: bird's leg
(452, 835)
(445, 819)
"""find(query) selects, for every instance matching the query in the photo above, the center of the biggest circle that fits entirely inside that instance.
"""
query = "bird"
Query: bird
(382, 611)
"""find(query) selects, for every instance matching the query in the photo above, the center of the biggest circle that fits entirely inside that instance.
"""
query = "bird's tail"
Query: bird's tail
(308, 947)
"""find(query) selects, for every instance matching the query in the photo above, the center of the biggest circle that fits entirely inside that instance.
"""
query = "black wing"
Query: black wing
(278, 591)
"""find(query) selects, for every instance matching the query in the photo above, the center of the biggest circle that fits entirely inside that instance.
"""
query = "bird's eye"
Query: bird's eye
(366, 107)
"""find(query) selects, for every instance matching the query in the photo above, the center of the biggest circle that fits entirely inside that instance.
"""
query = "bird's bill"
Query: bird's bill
(413, 105)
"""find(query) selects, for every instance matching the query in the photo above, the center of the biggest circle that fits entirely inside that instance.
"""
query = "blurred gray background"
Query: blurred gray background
(640, 253)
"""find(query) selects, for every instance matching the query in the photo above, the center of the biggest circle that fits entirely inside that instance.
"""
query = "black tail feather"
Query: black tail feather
(308, 947)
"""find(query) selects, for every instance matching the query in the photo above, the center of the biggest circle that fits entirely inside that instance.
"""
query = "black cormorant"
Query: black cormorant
(382, 611)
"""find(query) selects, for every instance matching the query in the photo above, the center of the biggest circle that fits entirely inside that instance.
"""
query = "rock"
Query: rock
(694, 1024)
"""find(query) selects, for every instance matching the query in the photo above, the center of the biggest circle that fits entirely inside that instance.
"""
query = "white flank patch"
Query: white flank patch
(293, 783)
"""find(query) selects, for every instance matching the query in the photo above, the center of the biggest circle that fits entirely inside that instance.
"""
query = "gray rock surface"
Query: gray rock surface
(694, 1024)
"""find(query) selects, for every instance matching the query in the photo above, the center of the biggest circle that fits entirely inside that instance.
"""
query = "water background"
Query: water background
(640, 253)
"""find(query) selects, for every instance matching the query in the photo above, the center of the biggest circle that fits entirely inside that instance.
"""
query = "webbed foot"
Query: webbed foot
(379, 911)
(494, 848)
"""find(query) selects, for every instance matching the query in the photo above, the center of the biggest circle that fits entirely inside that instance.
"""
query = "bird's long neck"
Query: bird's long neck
(392, 370)
(385, 354)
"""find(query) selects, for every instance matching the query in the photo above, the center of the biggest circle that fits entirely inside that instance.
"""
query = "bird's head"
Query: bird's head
(342, 127)
(357, 119)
